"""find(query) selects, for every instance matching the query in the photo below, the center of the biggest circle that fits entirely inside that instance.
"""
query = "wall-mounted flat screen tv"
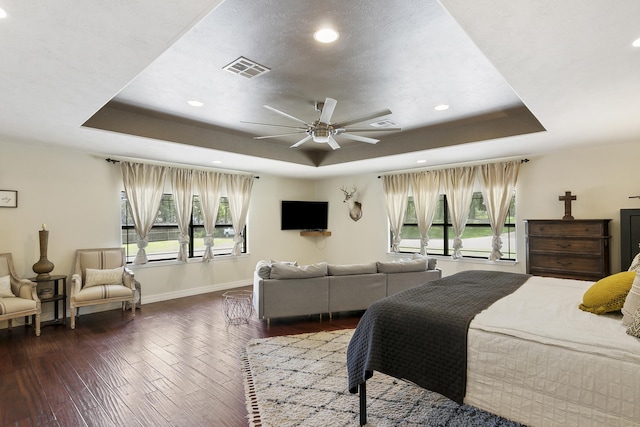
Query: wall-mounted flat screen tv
(304, 215)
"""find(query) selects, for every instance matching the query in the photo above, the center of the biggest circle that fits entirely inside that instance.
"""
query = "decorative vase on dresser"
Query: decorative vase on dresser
(569, 249)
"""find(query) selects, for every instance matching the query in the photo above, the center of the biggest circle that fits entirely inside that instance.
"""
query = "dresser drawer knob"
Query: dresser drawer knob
(565, 264)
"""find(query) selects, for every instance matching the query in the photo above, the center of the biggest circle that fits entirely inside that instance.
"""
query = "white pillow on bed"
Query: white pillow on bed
(632, 301)
(635, 264)
(634, 329)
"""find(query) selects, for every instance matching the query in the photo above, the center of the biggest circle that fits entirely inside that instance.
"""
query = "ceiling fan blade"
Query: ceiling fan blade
(302, 141)
(332, 143)
(270, 124)
(371, 129)
(327, 110)
(277, 136)
(282, 113)
(360, 138)
(362, 118)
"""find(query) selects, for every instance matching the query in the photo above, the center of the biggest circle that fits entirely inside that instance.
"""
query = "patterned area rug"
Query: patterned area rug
(301, 380)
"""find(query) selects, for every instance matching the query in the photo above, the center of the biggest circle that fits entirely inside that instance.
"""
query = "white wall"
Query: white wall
(601, 177)
(78, 196)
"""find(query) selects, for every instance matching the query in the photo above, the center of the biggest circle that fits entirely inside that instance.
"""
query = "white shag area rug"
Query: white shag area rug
(301, 380)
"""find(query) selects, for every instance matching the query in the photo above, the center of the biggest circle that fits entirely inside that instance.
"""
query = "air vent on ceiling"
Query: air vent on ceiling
(246, 68)
(384, 124)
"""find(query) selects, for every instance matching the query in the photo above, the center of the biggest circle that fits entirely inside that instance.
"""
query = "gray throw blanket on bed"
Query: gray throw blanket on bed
(420, 334)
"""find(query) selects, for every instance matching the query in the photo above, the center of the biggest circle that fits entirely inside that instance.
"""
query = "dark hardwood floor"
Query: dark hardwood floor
(176, 364)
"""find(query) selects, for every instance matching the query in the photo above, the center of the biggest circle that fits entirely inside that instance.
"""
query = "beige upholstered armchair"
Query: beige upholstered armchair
(100, 276)
(18, 297)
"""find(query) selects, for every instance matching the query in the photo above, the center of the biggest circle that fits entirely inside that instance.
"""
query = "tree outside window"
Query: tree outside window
(476, 237)
(163, 237)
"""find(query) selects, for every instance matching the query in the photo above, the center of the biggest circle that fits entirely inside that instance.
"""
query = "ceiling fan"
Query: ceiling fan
(323, 131)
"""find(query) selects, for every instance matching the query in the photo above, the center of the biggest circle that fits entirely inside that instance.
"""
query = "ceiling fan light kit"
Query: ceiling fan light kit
(323, 131)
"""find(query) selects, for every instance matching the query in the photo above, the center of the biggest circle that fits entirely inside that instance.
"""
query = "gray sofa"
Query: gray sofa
(287, 289)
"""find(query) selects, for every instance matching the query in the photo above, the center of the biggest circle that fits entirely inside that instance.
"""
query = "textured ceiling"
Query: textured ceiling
(114, 81)
(405, 56)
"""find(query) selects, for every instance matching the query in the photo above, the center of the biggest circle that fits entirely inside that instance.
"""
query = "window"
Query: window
(476, 238)
(163, 237)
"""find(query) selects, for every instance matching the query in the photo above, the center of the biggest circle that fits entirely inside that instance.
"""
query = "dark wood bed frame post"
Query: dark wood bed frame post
(362, 388)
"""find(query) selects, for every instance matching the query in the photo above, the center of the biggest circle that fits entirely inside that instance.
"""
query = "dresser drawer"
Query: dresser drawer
(568, 245)
(591, 265)
(566, 228)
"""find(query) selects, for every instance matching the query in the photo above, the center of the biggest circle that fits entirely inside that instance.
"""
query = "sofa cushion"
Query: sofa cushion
(263, 268)
(431, 262)
(402, 266)
(275, 261)
(351, 269)
(285, 271)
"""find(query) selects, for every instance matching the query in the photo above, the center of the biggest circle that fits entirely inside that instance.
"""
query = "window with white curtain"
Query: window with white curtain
(477, 236)
(164, 235)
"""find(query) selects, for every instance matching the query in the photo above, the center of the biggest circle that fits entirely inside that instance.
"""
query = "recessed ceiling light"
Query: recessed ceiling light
(421, 161)
(636, 43)
(195, 103)
(441, 107)
(216, 162)
(3, 14)
(326, 35)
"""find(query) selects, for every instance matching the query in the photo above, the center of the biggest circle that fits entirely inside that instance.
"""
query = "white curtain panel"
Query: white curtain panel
(209, 186)
(498, 181)
(396, 192)
(143, 185)
(182, 184)
(239, 194)
(426, 194)
(458, 185)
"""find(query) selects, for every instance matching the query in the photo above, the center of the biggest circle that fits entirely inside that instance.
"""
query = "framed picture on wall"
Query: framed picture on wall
(8, 199)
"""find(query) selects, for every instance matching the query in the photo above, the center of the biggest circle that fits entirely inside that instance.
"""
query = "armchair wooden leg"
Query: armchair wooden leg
(9, 324)
(37, 324)
(133, 307)
(73, 318)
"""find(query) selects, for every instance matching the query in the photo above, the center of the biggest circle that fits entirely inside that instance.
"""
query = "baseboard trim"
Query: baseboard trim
(192, 291)
(48, 314)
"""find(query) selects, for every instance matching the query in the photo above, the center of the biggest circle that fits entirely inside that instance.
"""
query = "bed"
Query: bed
(531, 355)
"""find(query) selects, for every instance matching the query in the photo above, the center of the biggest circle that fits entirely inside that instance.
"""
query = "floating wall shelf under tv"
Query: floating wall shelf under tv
(315, 233)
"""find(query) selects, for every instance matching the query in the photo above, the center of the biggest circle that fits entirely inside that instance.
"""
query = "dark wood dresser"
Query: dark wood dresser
(569, 249)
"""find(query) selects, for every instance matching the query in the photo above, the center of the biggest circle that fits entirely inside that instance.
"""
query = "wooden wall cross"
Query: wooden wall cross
(567, 199)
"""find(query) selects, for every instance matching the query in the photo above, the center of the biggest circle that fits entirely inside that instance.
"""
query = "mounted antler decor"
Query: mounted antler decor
(355, 208)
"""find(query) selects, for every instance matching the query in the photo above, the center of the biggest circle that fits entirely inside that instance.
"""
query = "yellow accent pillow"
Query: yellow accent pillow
(608, 294)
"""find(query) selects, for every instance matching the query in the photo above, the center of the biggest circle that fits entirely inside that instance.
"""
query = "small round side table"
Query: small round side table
(237, 306)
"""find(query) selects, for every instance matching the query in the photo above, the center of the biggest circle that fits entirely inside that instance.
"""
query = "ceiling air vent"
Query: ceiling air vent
(384, 124)
(246, 68)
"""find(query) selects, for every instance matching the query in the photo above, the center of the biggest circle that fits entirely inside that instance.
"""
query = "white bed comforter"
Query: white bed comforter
(534, 357)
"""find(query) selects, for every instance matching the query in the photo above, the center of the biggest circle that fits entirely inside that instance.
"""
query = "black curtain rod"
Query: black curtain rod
(118, 161)
(521, 161)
